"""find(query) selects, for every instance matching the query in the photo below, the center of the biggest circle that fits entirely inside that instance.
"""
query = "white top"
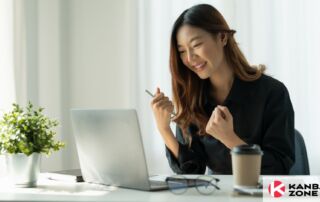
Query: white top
(49, 190)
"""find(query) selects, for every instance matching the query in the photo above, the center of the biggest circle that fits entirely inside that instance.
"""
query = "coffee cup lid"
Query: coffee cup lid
(247, 149)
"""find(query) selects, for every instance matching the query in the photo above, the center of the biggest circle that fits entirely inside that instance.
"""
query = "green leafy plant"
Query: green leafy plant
(27, 131)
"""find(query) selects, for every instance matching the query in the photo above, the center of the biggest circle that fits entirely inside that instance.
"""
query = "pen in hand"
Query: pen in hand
(149, 93)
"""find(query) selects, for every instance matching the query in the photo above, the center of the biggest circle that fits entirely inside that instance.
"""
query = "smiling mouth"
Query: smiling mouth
(199, 67)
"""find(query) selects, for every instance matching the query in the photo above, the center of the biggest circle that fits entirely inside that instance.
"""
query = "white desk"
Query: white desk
(48, 190)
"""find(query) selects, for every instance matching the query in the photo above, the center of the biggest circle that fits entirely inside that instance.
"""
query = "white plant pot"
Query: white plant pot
(23, 170)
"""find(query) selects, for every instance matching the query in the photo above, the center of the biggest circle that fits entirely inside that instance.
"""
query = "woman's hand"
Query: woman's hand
(162, 108)
(220, 126)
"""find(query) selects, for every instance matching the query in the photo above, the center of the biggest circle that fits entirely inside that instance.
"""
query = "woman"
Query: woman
(220, 100)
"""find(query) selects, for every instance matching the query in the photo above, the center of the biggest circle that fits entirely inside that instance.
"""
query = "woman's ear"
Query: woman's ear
(223, 37)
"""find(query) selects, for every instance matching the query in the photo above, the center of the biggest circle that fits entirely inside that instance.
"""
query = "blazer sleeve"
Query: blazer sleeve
(190, 160)
(278, 138)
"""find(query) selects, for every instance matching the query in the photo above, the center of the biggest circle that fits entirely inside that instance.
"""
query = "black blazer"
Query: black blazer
(262, 114)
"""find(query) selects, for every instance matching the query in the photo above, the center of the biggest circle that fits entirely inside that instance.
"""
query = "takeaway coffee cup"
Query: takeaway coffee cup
(246, 165)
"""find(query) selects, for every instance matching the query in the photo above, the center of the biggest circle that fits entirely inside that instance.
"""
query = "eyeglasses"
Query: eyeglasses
(204, 184)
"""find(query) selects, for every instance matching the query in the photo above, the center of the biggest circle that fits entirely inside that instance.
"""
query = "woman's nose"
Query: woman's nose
(190, 56)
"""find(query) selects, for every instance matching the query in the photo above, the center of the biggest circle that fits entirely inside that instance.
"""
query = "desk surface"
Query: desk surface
(48, 190)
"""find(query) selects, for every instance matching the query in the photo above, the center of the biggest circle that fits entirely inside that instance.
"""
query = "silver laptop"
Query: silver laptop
(110, 148)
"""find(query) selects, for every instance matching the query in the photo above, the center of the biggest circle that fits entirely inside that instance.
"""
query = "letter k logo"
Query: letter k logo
(276, 189)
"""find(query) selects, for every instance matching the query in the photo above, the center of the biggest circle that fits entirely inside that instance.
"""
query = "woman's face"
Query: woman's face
(200, 51)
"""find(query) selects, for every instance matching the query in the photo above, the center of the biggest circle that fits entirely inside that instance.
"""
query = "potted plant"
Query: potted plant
(24, 135)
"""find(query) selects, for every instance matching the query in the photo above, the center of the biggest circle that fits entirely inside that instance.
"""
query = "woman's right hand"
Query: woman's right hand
(162, 109)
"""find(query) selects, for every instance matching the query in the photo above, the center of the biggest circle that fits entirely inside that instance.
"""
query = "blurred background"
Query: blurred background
(63, 54)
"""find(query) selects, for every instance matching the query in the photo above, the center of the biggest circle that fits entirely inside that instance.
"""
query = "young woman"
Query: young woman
(220, 101)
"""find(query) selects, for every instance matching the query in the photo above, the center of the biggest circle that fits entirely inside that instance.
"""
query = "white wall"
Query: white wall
(98, 59)
(6, 63)
(74, 54)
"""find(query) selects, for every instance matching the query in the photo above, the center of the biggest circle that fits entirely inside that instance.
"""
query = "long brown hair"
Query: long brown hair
(189, 90)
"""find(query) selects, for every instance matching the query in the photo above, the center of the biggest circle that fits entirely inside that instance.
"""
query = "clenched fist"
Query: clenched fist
(220, 126)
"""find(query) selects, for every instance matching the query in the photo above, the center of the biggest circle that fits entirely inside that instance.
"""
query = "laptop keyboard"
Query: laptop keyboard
(158, 183)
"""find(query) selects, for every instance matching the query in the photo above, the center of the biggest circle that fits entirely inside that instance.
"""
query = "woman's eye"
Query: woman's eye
(197, 45)
(181, 52)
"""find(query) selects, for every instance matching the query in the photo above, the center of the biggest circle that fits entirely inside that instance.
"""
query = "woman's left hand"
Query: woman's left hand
(220, 126)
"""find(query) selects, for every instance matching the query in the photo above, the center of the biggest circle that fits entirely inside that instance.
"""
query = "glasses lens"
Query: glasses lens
(177, 184)
(205, 184)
